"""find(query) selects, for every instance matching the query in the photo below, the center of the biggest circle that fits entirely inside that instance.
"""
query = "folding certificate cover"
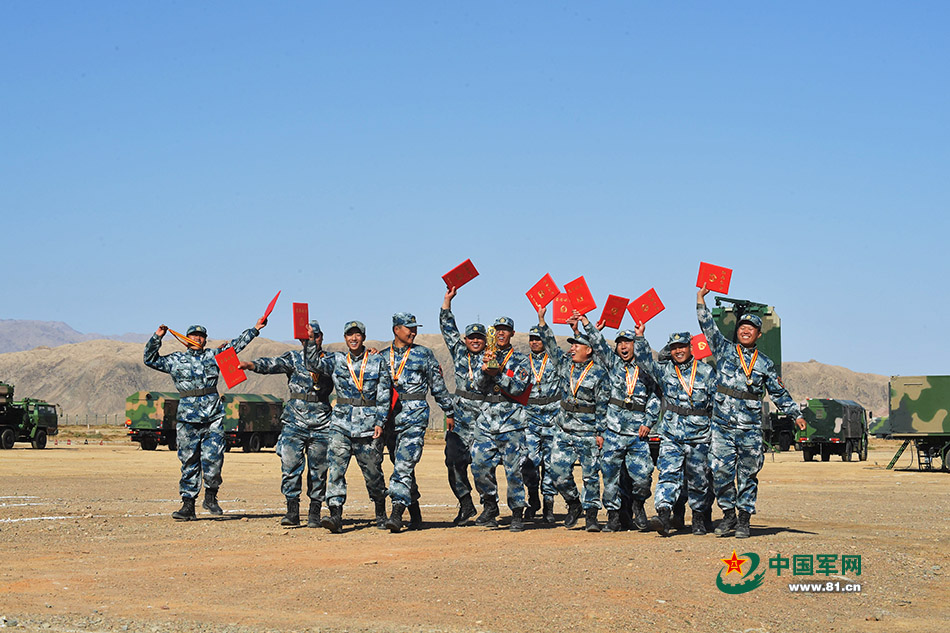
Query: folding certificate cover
(614, 310)
(716, 278)
(270, 306)
(580, 295)
(700, 347)
(543, 292)
(645, 307)
(301, 319)
(228, 363)
(460, 275)
(561, 308)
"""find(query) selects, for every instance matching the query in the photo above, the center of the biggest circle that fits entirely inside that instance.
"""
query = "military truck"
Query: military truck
(27, 420)
(251, 421)
(919, 412)
(833, 427)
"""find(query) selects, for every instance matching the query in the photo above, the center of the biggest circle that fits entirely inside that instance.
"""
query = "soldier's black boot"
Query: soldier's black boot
(640, 520)
(489, 515)
(381, 521)
(666, 521)
(415, 516)
(548, 510)
(707, 520)
(727, 524)
(593, 525)
(211, 502)
(699, 523)
(679, 514)
(517, 520)
(187, 510)
(333, 521)
(292, 518)
(742, 526)
(466, 511)
(313, 514)
(534, 504)
(613, 521)
(573, 513)
(394, 522)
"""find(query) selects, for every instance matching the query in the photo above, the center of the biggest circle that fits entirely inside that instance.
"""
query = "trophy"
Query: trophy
(491, 345)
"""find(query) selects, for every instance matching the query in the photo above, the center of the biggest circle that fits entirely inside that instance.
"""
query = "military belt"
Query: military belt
(355, 402)
(546, 400)
(684, 411)
(412, 396)
(571, 407)
(470, 395)
(741, 395)
(309, 397)
(629, 406)
(193, 393)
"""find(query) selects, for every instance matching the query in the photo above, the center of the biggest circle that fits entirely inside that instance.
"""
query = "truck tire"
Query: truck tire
(253, 443)
(863, 451)
(846, 455)
(39, 440)
(784, 442)
(149, 443)
(825, 453)
(808, 454)
(7, 439)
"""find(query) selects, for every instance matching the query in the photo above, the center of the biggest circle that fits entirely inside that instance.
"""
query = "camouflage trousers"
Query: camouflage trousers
(539, 441)
(736, 457)
(632, 452)
(492, 449)
(568, 449)
(369, 456)
(296, 448)
(458, 456)
(405, 454)
(683, 463)
(201, 453)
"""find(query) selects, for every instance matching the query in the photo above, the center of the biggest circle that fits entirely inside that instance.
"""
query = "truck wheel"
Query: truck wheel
(846, 455)
(149, 443)
(7, 439)
(253, 443)
(39, 440)
(808, 454)
(863, 451)
(825, 454)
(784, 442)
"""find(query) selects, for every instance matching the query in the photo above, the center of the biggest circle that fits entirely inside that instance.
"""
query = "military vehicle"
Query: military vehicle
(251, 421)
(27, 420)
(833, 427)
(880, 427)
(920, 413)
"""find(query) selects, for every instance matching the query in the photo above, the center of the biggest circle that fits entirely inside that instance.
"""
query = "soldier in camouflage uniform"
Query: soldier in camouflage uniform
(304, 436)
(363, 394)
(743, 375)
(632, 410)
(413, 371)
(688, 389)
(540, 411)
(499, 434)
(580, 425)
(467, 356)
(200, 432)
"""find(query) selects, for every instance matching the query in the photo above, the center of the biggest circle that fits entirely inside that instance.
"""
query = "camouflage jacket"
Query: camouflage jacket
(619, 418)
(358, 408)
(545, 385)
(192, 370)
(581, 384)
(415, 375)
(731, 411)
(502, 414)
(308, 406)
(677, 426)
(468, 374)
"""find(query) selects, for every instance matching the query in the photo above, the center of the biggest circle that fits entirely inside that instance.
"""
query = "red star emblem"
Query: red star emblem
(734, 563)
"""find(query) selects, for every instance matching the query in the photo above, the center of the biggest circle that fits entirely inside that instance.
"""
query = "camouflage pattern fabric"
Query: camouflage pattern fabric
(369, 457)
(354, 421)
(539, 447)
(491, 449)
(569, 448)
(539, 433)
(295, 447)
(406, 453)
(201, 452)
(592, 390)
(736, 457)
(297, 412)
(683, 463)
(625, 450)
(513, 378)
(192, 370)
(458, 457)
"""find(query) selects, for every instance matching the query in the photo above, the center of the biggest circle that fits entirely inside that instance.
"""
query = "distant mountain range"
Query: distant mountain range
(19, 336)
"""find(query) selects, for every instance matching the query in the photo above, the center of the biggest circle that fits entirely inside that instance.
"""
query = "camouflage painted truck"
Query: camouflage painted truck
(919, 412)
(27, 420)
(833, 427)
(251, 421)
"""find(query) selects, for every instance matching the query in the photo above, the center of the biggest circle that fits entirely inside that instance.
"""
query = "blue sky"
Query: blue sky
(181, 162)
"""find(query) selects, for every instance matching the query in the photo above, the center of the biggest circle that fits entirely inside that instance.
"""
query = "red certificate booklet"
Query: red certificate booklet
(228, 363)
(543, 292)
(580, 295)
(716, 278)
(645, 307)
(561, 308)
(460, 275)
(614, 310)
(700, 347)
(301, 319)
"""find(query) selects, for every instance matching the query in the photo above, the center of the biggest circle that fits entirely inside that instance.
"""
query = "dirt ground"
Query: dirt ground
(87, 544)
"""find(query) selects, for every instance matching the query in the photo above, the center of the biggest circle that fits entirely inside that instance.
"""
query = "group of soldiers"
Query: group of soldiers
(535, 414)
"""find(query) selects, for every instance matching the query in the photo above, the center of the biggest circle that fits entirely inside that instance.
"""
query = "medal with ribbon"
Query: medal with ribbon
(747, 369)
(577, 385)
(392, 364)
(358, 382)
(692, 378)
(631, 382)
(540, 372)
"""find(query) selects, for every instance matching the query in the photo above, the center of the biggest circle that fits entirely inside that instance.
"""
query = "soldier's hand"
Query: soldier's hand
(372, 350)
(309, 332)
(600, 442)
(541, 312)
(640, 328)
(449, 295)
(377, 432)
(450, 424)
(800, 423)
(246, 364)
(601, 324)
(161, 331)
(643, 431)
(701, 295)
(261, 322)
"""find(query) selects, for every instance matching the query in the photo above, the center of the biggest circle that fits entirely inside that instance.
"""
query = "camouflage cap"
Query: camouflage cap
(354, 325)
(751, 319)
(534, 332)
(316, 328)
(476, 329)
(679, 338)
(580, 339)
(404, 319)
(197, 329)
(504, 321)
(625, 335)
